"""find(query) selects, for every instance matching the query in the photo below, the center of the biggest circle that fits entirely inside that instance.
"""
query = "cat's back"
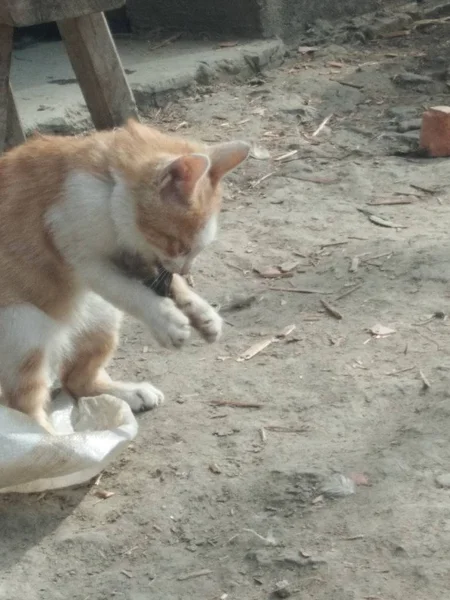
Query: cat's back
(32, 180)
(32, 175)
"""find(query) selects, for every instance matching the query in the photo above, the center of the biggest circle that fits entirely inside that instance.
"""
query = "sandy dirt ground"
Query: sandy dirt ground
(335, 485)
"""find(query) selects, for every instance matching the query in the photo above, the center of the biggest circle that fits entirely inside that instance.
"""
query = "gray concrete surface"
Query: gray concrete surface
(258, 18)
(49, 98)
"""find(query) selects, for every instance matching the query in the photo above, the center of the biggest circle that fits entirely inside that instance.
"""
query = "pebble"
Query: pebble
(337, 485)
(282, 589)
(402, 112)
(443, 480)
(409, 125)
(408, 78)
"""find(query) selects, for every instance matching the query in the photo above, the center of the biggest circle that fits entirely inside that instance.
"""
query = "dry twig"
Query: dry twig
(331, 310)
(348, 292)
(235, 404)
(425, 383)
(193, 575)
(165, 42)
(298, 290)
(322, 125)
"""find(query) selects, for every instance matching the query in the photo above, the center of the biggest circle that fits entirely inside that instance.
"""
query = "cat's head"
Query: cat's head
(178, 195)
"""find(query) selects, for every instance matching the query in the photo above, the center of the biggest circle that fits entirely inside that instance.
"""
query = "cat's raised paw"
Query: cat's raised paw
(171, 327)
(138, 396)
(208, 323)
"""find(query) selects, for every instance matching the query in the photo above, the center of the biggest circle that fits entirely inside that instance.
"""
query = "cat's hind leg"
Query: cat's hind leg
(95, 339)
(26, 334)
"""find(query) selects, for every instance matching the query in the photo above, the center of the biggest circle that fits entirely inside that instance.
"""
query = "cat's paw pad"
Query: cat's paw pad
(139, 396)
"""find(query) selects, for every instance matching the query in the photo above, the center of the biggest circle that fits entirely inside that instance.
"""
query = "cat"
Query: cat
(70, 207)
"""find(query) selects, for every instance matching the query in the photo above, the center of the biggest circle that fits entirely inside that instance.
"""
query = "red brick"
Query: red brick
(435, 132)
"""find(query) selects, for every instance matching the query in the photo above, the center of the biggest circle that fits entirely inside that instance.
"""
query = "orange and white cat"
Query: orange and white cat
(70, 206)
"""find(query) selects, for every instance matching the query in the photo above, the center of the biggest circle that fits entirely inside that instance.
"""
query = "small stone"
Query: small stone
(337, 486)
(282, 589)
(437, 12)
(409, 136)
(408, 78)
(443, 480)
(402, 112)
(409, 125)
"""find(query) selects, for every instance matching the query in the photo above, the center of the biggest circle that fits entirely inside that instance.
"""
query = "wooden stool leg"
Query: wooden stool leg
(97, 65)
(14, 131)
(11, 132)
(6, 42)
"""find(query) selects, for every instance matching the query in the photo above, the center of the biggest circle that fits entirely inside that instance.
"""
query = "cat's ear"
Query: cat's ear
(181, 176)
(226, 157)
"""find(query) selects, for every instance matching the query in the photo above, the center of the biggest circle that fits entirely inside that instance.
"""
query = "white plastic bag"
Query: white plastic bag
(91, 433)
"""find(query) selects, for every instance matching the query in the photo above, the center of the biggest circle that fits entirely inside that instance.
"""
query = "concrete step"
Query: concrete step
(49, 98)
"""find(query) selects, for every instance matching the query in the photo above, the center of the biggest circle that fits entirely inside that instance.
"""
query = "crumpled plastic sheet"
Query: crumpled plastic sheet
(90, 434)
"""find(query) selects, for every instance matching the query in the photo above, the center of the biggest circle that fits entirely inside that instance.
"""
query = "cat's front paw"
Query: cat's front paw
(170, 326)
(138, 396)
(208, 322)
(201, 315)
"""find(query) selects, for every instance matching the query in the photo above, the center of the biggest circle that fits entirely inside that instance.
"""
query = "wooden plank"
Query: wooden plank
(14, 130)
(6, 43)
(33, 12)
(99, 70)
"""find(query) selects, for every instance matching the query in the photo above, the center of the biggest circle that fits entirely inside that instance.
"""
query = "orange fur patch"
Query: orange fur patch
(83, 374)
(30, 393)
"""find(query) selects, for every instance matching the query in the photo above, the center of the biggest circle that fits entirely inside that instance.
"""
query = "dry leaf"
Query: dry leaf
(262, 345)
(359, 479)
(354, 264)
(272, 273)
(379, 330)
(259, 152)
(228, 44)
(384, 223)
(104, 494)
(287, 155)
(259, 111)
(255, 349)
(288, 266)
(390, 201)
(286, 331)
(306, 49)
(396, 34)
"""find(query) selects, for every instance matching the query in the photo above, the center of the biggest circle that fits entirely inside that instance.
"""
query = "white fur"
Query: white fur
(24, 329)
(96, 220)
(87, 228)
